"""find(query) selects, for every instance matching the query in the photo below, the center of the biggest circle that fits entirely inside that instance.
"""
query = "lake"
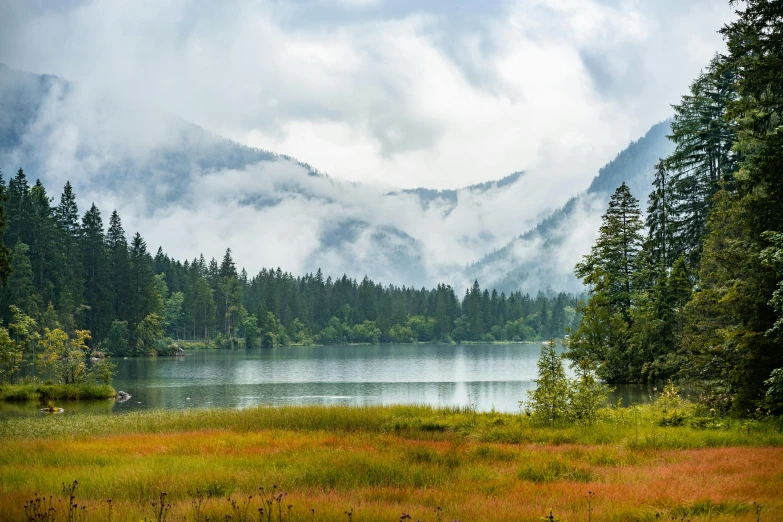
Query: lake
(485, 375)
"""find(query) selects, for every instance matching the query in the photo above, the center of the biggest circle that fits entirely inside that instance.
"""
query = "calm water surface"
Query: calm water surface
(486, 375)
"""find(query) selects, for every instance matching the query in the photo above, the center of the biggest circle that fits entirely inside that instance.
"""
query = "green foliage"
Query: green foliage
(602, 338)
(672, 406)
(21, 290)
(148, 332)
(772, 257)
(252, 333)
(102, 372)
(55, 392)
(272, 332)
(423, 328)
(549, 401)
(586, 397)
(612, 262)
(11, 354)
(117, 341)
(64, 358)
(774, 394)
(557, 399)
(25, 330)
(365, 332)
(401, 334)
(704, 159)
(5, 253)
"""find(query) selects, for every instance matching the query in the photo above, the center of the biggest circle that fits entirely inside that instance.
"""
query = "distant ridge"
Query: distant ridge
(525, 262)
(193, 189)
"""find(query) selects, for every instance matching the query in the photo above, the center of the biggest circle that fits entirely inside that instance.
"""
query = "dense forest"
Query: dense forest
(66, 271)
(694, 289)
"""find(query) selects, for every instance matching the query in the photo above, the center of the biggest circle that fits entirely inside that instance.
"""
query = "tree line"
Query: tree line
(69, 272)
(694, 290)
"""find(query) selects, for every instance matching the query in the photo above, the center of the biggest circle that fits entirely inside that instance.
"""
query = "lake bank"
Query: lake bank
(55, 392)
(388, 461)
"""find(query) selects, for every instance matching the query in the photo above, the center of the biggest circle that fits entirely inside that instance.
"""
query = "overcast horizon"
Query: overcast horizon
(392, 93)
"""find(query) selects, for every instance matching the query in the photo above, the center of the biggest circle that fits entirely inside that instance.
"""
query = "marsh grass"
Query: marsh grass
(44, 392)
(380, 462)
(635, 430)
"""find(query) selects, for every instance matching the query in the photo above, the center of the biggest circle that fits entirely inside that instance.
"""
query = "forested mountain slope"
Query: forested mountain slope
(194, 191)
(546, 254)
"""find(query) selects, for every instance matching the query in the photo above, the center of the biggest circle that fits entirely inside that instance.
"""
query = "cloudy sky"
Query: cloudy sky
(404, 93)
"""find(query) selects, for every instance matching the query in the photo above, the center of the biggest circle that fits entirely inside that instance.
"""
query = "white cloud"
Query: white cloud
(388, 98)
(386, 83)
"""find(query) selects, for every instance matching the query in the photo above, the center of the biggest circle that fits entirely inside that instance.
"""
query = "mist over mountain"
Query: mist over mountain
(192, 191)
(546, 254)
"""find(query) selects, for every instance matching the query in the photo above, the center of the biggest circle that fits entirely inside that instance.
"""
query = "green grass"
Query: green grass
(46, 392)
(386, 461)
(636, 428)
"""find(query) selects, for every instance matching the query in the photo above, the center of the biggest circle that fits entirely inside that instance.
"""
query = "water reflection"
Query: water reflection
(487, 376)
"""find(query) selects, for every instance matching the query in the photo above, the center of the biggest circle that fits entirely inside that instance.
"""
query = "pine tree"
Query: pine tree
(703, 160)
(99, 314)
(5, 253)
(21, 289)
(19, 210)
(602, 339)
(611, 264)
(119, 267)
(144, 300)
(67, 214)
(549, 401)
(42, 251)
(660, 214)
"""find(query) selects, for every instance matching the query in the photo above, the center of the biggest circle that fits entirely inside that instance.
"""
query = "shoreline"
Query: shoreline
(52, 392)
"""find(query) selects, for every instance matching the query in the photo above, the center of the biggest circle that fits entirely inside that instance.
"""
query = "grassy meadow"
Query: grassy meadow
(388, 463)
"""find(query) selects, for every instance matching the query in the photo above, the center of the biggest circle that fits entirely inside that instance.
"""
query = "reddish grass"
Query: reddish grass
(469, 480)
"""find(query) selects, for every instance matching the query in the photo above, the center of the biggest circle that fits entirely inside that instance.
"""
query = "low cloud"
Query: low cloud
(380, 95)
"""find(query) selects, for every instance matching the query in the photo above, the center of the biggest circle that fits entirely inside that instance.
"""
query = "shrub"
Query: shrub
(558, 398)
(549, 401)
(672, 407)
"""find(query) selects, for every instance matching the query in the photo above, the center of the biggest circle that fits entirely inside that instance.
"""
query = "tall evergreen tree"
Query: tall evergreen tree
(612, 261)
(19, 210)
(703, 160)
(660, 215)
(99, 313)
(119, 267)
(44, 257)
(601, 338)
(144, 300)
(21, 288)
(5, 253)
(726, 338)
(67, 214)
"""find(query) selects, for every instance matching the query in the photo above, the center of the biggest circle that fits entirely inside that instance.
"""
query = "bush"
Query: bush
(586, 396)
(558, 398)
(549, 401)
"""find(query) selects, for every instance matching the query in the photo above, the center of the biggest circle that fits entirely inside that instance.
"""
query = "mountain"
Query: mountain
(546, 254)
(450, 198)
(193, 191)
